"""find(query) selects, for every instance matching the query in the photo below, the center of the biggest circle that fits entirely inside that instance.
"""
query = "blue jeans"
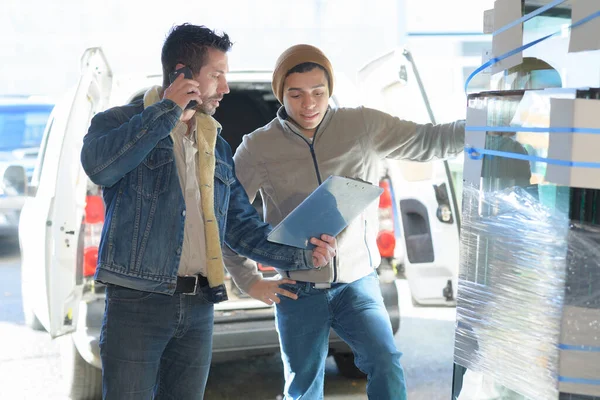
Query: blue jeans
(155, 346)
(357, 314)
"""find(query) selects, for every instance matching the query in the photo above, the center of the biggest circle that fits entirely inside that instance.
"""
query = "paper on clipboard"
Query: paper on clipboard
(327, 210)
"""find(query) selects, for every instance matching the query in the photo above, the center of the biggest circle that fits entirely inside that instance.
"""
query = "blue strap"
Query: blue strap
(593, 349)
(496, 60)
(477, 154)
(527, 17)
(580, 381)
(554, 129)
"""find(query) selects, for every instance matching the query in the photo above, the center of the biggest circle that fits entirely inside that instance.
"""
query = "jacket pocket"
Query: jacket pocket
(223, 181)
(117, 293)
(152, 177)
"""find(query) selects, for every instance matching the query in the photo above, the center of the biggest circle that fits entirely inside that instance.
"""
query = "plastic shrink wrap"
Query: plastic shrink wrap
(528, 307)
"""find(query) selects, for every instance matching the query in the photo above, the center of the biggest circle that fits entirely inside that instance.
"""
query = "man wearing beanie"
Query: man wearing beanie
(285, 161)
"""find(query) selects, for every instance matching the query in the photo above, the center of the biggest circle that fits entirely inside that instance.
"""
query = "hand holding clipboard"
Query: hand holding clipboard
(328, 210)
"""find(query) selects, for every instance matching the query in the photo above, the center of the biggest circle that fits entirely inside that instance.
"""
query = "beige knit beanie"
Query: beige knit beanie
(294, 56)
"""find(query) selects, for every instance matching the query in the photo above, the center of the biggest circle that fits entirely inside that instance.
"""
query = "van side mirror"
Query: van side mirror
(13, 181)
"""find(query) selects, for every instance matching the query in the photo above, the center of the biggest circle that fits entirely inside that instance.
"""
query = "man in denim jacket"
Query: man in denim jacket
(172, 200)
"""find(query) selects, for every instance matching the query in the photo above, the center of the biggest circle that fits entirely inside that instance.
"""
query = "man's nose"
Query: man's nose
(224, 88)
(308, 103)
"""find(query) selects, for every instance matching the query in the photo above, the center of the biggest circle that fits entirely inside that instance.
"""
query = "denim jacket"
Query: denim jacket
(128, 151)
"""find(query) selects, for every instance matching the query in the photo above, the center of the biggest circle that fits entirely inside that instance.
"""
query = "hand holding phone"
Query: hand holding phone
(187, 85)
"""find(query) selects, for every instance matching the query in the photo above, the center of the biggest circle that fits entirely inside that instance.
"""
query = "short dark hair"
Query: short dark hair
(187, 44)
(307, 67)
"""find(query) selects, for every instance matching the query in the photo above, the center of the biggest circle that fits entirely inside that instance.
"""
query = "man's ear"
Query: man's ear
(179, 66)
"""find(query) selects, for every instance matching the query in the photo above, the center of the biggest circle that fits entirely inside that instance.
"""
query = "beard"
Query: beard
(204, 109)
(207, 107)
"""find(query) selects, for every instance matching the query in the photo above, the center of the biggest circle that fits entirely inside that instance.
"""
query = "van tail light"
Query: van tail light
(386, 242)
(385, 200)
(386, 238)
(92, 230)
(90, 260)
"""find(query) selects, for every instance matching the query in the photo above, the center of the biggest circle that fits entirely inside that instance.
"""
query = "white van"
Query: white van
(425, 208)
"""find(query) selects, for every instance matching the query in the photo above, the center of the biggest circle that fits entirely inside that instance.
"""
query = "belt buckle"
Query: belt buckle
(322, 285)
(195, 291)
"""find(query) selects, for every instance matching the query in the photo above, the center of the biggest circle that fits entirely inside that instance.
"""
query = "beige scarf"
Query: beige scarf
(206, 138)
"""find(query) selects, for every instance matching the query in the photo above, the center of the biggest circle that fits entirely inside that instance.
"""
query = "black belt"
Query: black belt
(190, 284)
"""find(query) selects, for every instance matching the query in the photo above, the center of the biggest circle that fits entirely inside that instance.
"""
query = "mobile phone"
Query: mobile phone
(187, 74)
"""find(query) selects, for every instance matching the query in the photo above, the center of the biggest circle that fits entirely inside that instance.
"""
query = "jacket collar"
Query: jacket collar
(289, 126)
(154, 95)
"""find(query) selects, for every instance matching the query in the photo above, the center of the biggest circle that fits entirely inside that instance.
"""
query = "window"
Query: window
(38, 171)
(22, 127)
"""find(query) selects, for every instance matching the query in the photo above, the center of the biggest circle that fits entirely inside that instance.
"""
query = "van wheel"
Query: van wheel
(345, 363)
(83, 381)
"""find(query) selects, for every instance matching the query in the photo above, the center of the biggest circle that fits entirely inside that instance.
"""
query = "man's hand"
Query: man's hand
(325, 250)
(182, 91)
(267, 290)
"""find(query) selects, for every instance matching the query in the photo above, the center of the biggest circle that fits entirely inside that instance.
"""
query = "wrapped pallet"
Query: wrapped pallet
(528, 310)
(528, 306)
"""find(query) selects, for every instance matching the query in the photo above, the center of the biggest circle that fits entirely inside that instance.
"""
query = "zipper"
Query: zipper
(367, 245)
(314, 157)
(334, 269)
(311, 146)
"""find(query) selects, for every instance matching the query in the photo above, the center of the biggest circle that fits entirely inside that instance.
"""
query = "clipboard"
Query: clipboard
(327, 210)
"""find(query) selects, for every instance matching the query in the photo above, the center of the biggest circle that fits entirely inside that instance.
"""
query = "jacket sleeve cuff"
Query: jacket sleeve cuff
(305, 260)
(171, 109)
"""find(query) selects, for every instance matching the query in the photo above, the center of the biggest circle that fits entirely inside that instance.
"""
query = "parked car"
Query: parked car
(13, 188)
(62, 220)
(22, 122)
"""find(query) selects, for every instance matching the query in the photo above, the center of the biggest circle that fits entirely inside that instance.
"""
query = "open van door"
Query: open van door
(60, 205)
(424, 195)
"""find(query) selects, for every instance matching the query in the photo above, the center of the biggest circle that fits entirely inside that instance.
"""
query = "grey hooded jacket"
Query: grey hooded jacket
(285, 167)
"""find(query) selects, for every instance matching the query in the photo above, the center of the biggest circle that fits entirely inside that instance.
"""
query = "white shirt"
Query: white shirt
(193, 254)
